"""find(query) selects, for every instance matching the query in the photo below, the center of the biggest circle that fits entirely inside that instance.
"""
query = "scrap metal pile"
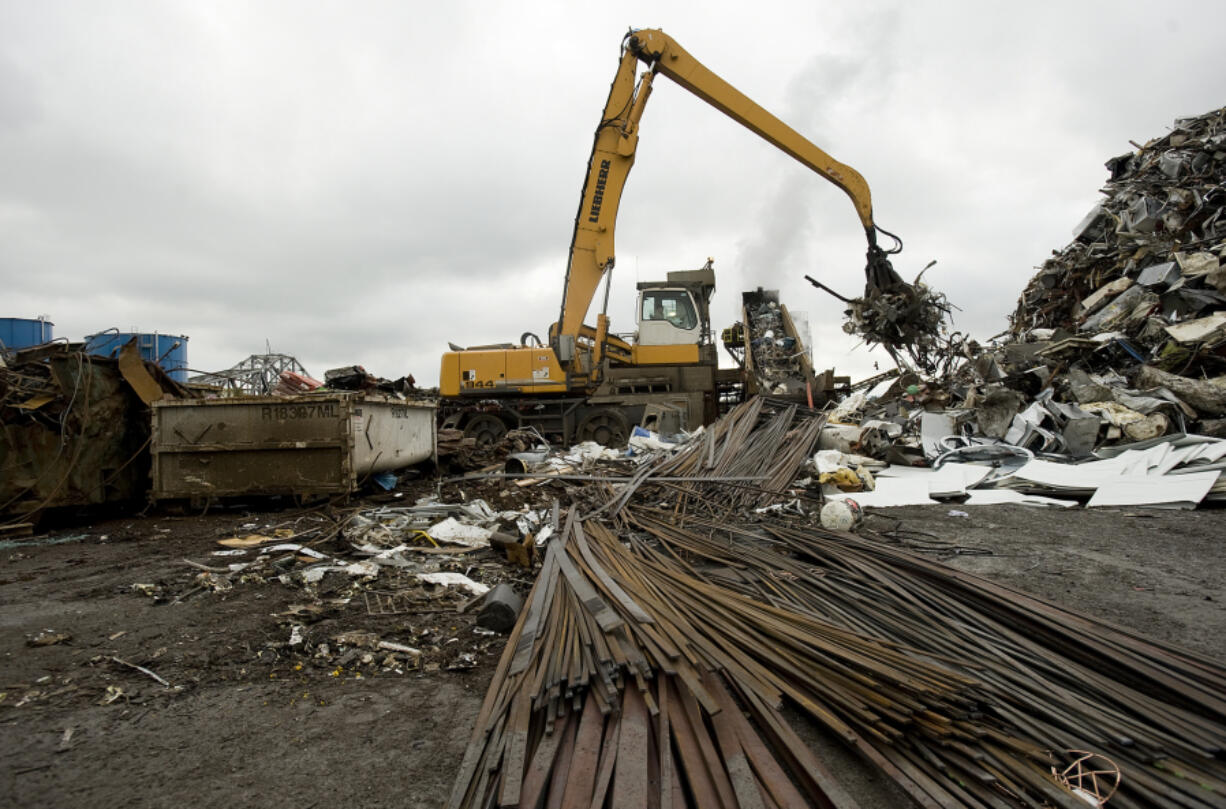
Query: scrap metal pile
(1158, 236)
(1136, 301)
(668, 630)
(1118, 338)
(74, 427)
(911, 322)
(774, 355)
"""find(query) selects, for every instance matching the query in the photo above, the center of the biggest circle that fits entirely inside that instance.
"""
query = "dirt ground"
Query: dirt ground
(249, 718)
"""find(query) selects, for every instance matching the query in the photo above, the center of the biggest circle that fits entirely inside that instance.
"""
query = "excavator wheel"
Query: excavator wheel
(485, 429)
(605, 426)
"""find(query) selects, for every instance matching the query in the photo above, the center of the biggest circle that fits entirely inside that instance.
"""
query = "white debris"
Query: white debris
(647, 441)
(458, 533)
(591, 451)
(831, 460)
(391, 646)
(392, 557)
(527, 523)
(363, 568)
(790, 507)
(448, 579)
(849, 407)
(296, 548)
(1195, 331)
(841, 515)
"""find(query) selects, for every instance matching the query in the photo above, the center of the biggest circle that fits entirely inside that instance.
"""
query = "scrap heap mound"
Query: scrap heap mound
(1118, 338)
(1141, 288)
(1139, 292)
(1158, 236)
(1116, 355)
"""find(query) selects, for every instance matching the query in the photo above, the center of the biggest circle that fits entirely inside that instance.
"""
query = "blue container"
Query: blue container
(167, 350)
(20, 332)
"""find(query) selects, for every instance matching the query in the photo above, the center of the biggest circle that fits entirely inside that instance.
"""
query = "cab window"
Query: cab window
(671, 306)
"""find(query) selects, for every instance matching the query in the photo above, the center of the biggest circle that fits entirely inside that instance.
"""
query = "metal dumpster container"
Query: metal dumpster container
(20, 332)
(317, 444)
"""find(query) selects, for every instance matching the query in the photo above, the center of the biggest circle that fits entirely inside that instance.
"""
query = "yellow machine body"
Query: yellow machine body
(581, 360)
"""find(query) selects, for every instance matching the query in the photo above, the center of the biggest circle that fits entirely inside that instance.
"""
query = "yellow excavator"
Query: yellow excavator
(587, 383)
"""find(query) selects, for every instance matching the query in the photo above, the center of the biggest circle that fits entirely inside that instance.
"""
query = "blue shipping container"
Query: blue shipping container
(21, 332)
(167, 350)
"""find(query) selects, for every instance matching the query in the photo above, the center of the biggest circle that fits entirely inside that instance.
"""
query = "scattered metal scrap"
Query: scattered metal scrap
(357, 378)
(359, 566)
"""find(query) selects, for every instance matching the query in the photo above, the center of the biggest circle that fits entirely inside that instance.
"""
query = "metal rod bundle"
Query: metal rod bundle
(617, 640)
(1053, 679)
(659, 644)
(758, 439)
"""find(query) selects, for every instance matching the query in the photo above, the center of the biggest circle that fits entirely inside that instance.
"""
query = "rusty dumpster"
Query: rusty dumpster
(315, 444)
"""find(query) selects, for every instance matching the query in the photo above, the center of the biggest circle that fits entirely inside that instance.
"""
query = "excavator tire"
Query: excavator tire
(605, 426)
(485, 429)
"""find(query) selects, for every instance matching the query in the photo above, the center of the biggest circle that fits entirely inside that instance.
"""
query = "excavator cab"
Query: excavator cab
(676, 311)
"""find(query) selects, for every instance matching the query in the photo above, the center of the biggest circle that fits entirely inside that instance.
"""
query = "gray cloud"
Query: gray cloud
(363, 184)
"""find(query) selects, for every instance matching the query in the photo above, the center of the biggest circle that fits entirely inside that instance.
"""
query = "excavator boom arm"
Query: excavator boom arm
(591, 249)
(663, 53)
(592, 255)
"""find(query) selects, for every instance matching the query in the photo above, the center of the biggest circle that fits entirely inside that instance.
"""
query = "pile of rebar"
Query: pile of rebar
(627, 667)
(653, 657)
(1047, 679)
(760, 439)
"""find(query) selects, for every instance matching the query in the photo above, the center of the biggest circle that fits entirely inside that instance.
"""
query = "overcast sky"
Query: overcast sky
(362, 182)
